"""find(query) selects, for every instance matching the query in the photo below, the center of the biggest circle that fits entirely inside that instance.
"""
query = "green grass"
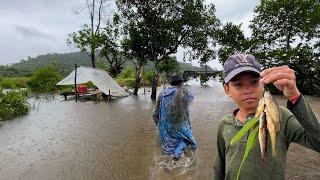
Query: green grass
(14, 83)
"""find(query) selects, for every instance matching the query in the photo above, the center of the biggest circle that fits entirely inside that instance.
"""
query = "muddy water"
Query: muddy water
(118, 140)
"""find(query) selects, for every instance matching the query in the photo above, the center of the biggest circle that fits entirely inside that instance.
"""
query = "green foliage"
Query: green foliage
(127, 73)
(63, 62)
(168, 66)
(9, 71)
(86, 40)
(251, 123)
(13, 83)
(284, 33)
(12, 104)
(126, 77)
(102, 65)
(232, 40)
(250, 145)
(155, 29)
(147, 77)
(279, 23)
(129, 82)
(111, 49)
(44, 79)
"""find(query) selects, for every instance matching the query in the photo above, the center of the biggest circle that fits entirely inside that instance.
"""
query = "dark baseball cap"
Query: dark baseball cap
(176, 79)
(239, 63)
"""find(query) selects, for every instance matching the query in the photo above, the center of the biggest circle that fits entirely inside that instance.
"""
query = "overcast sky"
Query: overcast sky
(35, 27)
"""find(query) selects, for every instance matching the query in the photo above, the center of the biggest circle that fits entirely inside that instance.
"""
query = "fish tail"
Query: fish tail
(273, 143)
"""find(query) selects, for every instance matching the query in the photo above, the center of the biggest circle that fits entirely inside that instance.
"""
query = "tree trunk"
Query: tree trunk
(93, 60)
(137, 82)
(288, 37)
(154, 87)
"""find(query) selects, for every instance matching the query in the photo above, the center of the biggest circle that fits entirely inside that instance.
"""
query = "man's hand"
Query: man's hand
(283, 78)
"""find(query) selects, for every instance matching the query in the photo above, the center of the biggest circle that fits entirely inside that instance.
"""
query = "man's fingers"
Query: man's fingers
(283, 78)
(280, 84)
(270, 70)
(277, 76)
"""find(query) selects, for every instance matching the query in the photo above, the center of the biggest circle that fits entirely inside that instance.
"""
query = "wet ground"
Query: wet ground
(118, 140)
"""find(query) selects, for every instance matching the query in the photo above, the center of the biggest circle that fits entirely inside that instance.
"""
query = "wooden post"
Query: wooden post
(109, 97)
(75, 82)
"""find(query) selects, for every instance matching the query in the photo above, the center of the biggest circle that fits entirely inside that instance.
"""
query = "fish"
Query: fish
(268, 113)
(273, 109)
(263, 137)
(272, 132)
(260, 108)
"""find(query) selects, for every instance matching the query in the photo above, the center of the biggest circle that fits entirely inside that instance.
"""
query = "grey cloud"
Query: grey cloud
(48, 22)
(227, 9)
(32, 32)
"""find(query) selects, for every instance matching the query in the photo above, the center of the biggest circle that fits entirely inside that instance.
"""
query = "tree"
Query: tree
(110, 40)
(231, 40)
(157, 28)
(168, 66)
(87, 39)
(286, 33)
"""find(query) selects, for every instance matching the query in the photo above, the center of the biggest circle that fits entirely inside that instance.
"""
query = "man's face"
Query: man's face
(245, 89)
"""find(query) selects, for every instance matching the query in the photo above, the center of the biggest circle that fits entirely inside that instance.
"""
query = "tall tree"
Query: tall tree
(87, 39)
(280, 25)
(286, 33)
(111, 47)
(157, 28)
(168, 66)
(231, 39)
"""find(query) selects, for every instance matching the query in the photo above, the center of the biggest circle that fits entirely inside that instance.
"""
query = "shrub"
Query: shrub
(126, 77)
(12, 104)
(129, 82)
(44, 79)
(128, 72)
(13, 83)
(147, 78)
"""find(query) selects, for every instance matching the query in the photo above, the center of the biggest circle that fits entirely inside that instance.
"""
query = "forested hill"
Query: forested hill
(63, 62)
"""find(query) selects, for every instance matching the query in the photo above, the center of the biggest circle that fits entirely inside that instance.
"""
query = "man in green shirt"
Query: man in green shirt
(244, 83)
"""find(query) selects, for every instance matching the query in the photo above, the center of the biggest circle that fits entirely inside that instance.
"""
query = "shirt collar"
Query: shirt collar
(236, 122)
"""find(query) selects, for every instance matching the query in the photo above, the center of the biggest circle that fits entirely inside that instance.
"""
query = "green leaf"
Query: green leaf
(244, 130)
(250, 144)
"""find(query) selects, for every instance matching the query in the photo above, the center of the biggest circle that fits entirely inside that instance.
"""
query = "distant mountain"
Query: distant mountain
(64, 63)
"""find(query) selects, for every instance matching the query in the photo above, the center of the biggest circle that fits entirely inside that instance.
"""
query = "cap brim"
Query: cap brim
(238, 71)
(177, 82)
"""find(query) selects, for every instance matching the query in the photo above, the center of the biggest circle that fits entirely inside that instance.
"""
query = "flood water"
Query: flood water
(118, 140)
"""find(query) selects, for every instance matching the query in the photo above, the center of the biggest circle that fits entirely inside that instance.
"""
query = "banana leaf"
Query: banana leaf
(250, 144)
(244, 130)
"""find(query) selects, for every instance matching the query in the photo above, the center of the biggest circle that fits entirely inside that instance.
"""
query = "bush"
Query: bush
(129, 82)
(128, 72)
(12, 104)
(44, 79)
(126, 77)
(13, 83)
(147, 78)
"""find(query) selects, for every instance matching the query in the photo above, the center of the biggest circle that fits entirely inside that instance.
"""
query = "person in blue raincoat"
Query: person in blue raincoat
(171, 115)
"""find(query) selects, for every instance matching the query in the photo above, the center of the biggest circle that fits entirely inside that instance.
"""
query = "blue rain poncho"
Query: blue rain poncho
(173, 139)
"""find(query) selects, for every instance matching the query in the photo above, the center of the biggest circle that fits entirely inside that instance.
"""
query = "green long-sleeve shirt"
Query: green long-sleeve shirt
(300, 125)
